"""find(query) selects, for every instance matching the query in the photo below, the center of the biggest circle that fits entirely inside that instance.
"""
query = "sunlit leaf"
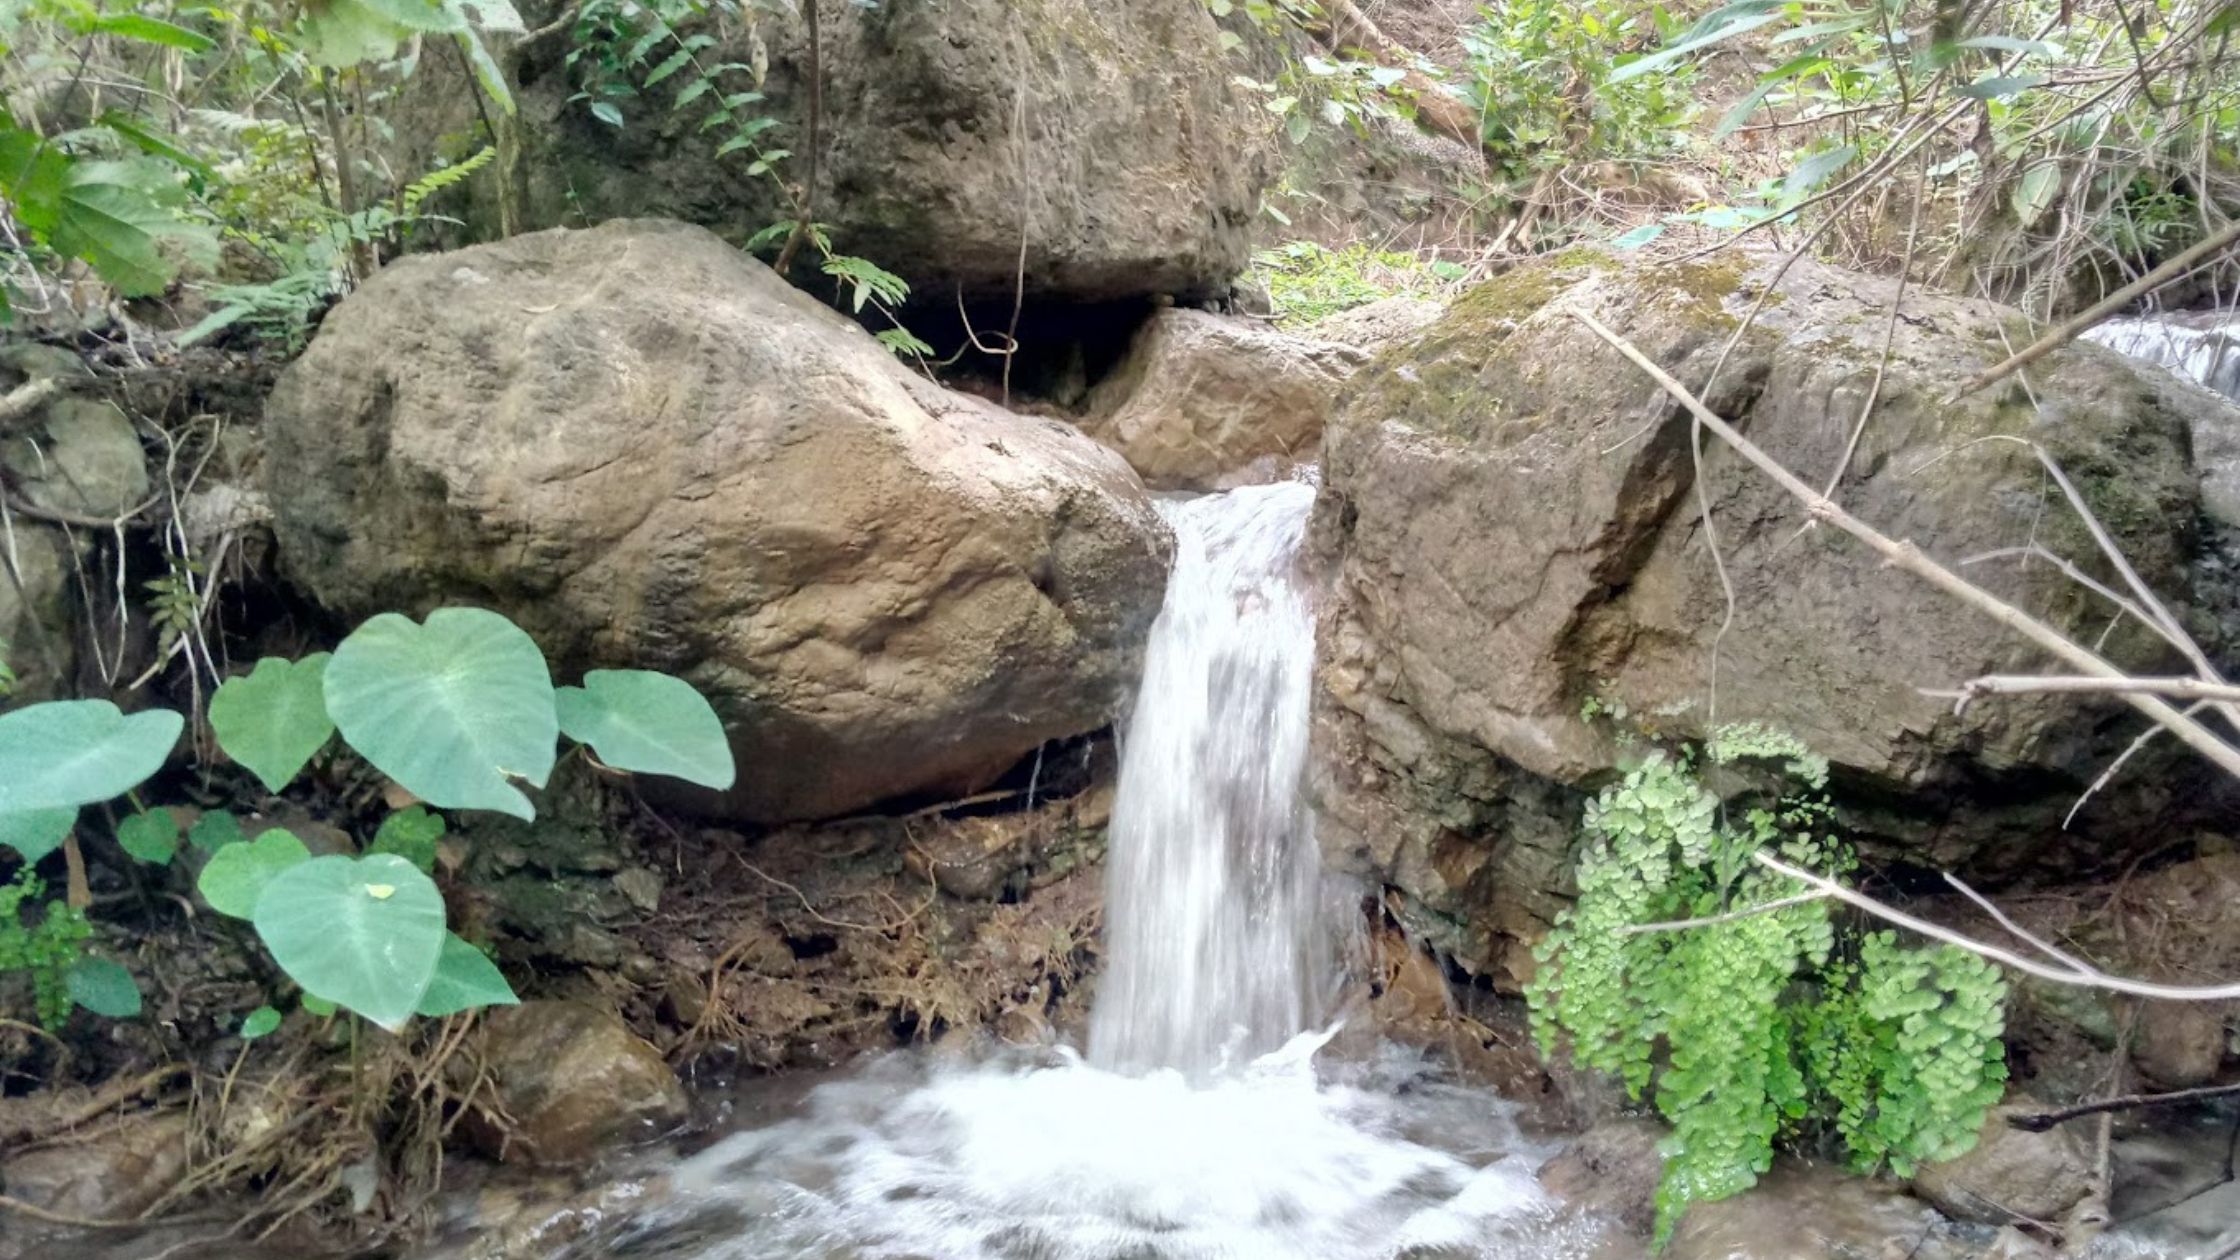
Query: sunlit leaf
(465, 980)
(68, 753)
(374, 955)
(274, 719)
(235, 876)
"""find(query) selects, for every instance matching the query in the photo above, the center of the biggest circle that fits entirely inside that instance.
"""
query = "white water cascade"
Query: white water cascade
(1212, 878)
(1200, 1126)
(2199, 347)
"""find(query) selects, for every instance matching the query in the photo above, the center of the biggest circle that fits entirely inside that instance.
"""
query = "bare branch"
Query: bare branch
(1907, 556)
(2027, 684)
(2082, 977)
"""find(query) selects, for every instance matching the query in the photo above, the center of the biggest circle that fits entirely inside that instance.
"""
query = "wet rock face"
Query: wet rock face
(1201, 398)
(1509, 516)
(574, 1080)
(954, 136)
(651, 452)
(1612, 1171)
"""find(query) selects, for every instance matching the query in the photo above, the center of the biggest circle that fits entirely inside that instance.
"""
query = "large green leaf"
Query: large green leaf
(68, 753)
(111, 214)
(465, 979)
(274, 720)
(648, 723)
(37, 832)
(235, 876)
(365, 933)
(452, 710)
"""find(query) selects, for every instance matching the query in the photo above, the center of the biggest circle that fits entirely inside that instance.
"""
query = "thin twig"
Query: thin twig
(1675, 925)
(2039, 1122)
(2033, 684)
(1908, 556)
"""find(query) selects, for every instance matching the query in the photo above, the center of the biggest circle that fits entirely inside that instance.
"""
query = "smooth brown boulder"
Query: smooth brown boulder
(1509, 509)
(651, 452)
(1203, 400)
(114, 1174)
(573, 1080)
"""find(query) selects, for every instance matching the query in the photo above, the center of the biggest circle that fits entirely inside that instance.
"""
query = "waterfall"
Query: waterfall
(1213, 952)
(2203, 349)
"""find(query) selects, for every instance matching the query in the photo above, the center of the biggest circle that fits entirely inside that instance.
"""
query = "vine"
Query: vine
(1722, 990)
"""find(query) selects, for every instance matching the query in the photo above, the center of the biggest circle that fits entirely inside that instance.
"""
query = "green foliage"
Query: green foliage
(1308, 282)
(152, 835)
(625, 49)
(260, 1022)
(364, 933)
(1552, 82)
(464, 980)
(34, 833)
(1898, 1055)
(44, 941)
(412, 834)
(235, 877)
(453, 710)
(7, 675)
(68, 753)
(274, 719)
(648, 723)
(104, 987)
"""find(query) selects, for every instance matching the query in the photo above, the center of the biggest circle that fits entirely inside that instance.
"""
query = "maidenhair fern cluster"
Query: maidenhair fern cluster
(44, 947)
(1756, 1024)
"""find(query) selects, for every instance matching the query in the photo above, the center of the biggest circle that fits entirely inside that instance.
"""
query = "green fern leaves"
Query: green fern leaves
(1755, 1024)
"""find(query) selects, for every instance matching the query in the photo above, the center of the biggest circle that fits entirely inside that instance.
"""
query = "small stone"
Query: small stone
(573, 1079)
(2179, 1045)
(2012, 1172)
(641, 886)
(1612, 1170)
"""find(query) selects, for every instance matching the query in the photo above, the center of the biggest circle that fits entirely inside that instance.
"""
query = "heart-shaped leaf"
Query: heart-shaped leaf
(452, 710)
(37, 832)
(411, 833)
(150, 836)
(236, 875)
(274, 719)
(68, 753)
(465, 979)
(332, 935)
(216, 829)
(103, 987)
(648, 723)
(259, 1022)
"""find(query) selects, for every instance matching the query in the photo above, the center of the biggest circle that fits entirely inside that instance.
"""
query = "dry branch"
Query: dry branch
(1905, 555)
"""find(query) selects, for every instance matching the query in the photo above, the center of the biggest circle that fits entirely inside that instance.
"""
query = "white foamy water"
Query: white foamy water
(1212, 878)
(2202, 348)
(1200, 1126)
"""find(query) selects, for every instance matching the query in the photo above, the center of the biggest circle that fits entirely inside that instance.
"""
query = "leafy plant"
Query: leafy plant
(46, 947)
(1687, 966)
(455, 709)
(1549, 82)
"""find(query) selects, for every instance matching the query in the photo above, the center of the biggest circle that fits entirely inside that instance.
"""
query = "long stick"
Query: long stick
(1907, 556)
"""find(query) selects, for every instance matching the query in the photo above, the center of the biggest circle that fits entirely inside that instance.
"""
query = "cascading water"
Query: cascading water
(1212, 877)
(1199, 1127)
(2203, 348)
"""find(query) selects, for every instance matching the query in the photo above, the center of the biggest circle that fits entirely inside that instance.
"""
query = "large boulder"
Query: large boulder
(1200, 399)
(651, 452)
(1510, 511)
(2014, 1174)
(954, 135)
